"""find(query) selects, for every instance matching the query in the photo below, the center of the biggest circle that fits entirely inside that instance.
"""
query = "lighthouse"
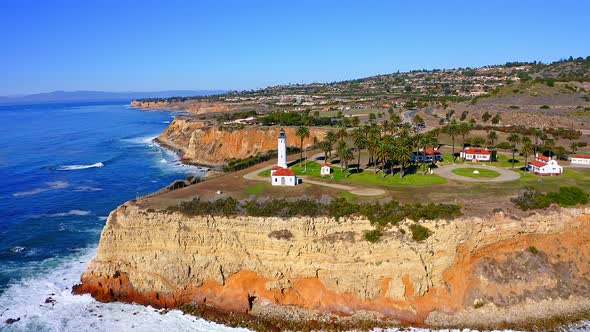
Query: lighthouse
(282, 149)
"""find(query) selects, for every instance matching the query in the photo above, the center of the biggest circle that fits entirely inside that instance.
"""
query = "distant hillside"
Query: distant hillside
(60, 96)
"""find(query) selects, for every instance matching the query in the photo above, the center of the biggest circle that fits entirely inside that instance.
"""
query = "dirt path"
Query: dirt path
(505, 174)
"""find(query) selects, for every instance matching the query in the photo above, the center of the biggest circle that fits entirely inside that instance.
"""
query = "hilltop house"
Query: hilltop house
(427, 155)
(280, 174)
(545, 166)
(580, 159)
(475, 154)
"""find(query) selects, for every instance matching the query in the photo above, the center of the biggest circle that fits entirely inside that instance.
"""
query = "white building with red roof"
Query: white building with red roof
(325, 169)
(280, 174)
(476, 154)
(545, 166)
(580, 159)
(427, 155)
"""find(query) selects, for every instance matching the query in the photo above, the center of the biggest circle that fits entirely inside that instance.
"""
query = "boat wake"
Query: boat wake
(79, 167)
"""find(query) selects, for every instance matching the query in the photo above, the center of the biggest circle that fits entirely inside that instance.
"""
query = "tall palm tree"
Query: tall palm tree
(326, 147)
(513, 139)
(302, 132)
(549, 144)
(464, 130)
(344, 154)
(373, 146)
(452, 129)
(492, 138)
(342, 133)
(527, 148)
(402, 153)
(383, 154)
(331, 137)
(359, 139)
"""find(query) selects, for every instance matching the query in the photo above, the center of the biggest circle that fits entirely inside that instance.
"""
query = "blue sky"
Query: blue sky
(123, 45)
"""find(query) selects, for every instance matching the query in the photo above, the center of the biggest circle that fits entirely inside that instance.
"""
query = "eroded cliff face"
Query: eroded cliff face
(192, 106)
(212, 146)
(468, 269)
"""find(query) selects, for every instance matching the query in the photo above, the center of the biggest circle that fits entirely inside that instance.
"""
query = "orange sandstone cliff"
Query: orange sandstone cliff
(471, 272)
(213, 145)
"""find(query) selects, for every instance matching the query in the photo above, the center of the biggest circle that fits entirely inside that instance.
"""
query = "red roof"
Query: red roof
(276, 168)
(325, 165)
(284, 172)
(543, 158)
(581, 156)
(476, 151)
(431, 151)
(537, 163)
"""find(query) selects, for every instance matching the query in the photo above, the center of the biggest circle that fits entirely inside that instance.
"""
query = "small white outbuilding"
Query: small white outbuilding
(325, 169)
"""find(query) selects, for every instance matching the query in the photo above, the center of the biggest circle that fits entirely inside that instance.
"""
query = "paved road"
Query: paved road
(505, 174)
(353, 190)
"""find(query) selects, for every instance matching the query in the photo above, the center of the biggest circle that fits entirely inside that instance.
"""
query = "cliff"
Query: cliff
(212, 145)
(470, 272)
(191, 106)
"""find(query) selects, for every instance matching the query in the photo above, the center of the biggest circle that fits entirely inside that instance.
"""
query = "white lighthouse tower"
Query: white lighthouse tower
(282, 149)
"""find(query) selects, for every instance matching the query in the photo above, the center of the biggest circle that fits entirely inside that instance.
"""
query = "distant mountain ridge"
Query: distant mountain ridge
(57, 96)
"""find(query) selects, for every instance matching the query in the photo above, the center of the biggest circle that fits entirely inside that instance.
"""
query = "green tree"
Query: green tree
(486, 117)
(527, 148)
(302, 132)
(344, 154)
(496, 119)
(513, 139)
(464, 130)
(478, 141)
(359, 139)
(452, 129)
(331, 137)
(326, 147)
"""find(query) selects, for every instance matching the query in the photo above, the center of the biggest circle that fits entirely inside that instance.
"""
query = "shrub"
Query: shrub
(566, 196)
(419, 232)
(533, 250)
(373, 236)
(545, 107)
(514, 107)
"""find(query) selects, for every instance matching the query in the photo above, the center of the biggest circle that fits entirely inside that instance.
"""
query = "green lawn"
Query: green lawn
(256, 189)
(367, 176)
(469, 172)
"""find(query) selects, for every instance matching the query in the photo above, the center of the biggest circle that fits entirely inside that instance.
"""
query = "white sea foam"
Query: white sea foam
(102, 218)
(55, 185)
(70, 213)
(18, 249)
(79, 167)
(27, 300)
(144, 140)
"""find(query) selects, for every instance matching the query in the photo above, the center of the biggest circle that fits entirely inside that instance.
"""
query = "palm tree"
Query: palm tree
(326, 147)
(344, 154)
(549, 144)
(402, 153)
(331, 137)
(359, 139)
(527, 148)
(373, 147)
(452, 129)
(342, 133)
(383, 153)
(464, 130)
(302, 132)
(514, 139)
(492, 138)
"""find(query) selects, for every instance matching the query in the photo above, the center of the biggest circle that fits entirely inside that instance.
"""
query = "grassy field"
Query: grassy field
(256, 189)
(469, 172)
(312, 168)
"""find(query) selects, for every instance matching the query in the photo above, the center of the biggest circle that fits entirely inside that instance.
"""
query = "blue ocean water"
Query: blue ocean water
(63, 168)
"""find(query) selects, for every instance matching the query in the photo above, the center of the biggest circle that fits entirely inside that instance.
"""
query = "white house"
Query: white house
(475, 154)
(325, 169)
(580, 159)
(428, 155)
(545, 166)
(284, 177)
(280, 174)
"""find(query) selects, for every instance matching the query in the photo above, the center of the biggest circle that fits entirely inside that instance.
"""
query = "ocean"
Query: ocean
(63, 168)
